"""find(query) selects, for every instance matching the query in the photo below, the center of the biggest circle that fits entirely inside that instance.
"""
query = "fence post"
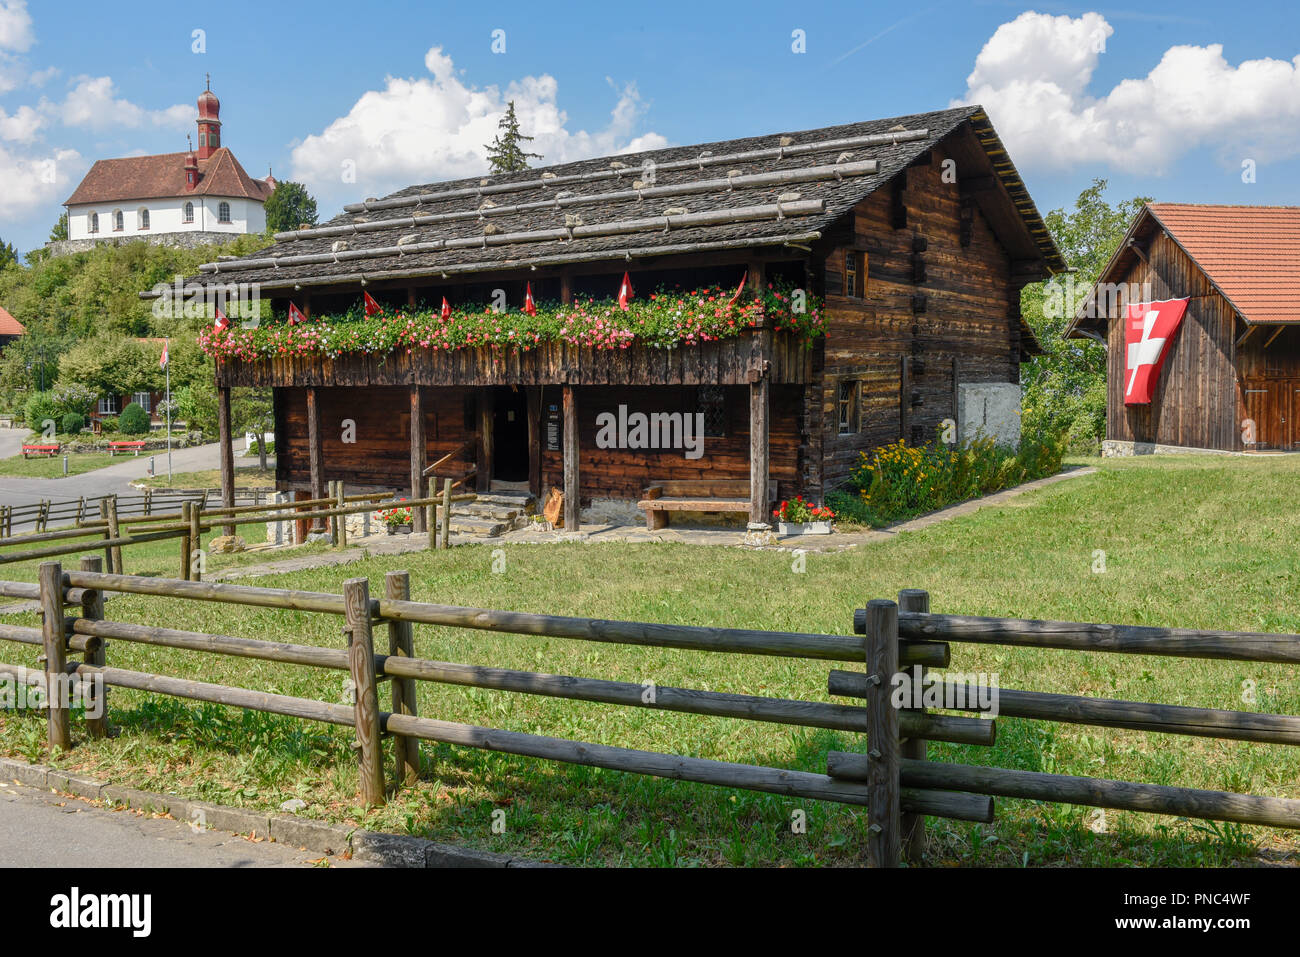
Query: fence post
(114, 531)
(883, 766)
(342, 539)
(42, 515)
(446, 513)
(81, 510)
(108, 551)
(401, 643)
(196, 541)
(185, 541)
(92, 607)
(913, 825)
(56, 662)
(361, 661)
(431, 491)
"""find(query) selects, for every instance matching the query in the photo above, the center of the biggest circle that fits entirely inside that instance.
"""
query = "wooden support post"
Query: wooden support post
(884, 844)
(115, 532)
(227, 454)
(483, 467)
(92, 609)
(446, 513)
(759, 510)
(342, 538)
(108, 551)
(185, 542)
(913, 825)
(401, 643)
(572, 509)
(361, 662)
(196, 541)
(332, 523)
(431, 491)
(419, 457)
(533, 396)
(56, 665)
(314, 453)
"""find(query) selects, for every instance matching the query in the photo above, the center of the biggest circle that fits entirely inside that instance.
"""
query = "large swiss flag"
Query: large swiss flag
(1149, 328)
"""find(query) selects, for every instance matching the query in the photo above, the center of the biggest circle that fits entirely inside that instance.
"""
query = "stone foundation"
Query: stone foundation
(1117, 448)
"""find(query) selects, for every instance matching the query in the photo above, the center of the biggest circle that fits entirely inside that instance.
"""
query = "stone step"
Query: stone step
(500, 514)
(478, 527)
(517, 500)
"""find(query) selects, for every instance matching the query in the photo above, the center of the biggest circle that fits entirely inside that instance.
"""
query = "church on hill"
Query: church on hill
(184, 199)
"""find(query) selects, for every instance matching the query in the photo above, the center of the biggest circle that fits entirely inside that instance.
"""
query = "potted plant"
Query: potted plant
(395, 519)
(797, 517)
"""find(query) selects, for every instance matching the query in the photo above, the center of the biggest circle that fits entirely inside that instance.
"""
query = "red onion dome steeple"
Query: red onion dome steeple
(209, 122)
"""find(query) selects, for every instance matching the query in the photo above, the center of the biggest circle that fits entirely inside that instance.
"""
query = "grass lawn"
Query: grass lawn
(1196, 542)
(211, 478)
(52, 466)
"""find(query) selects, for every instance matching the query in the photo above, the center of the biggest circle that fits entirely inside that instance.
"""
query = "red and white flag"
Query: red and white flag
(529, 306)
(295, 315)
(625, 291)
(372, 307)
(162, 363)
(446, 309)
(1149, 327)
(741, 288)
(221, 323)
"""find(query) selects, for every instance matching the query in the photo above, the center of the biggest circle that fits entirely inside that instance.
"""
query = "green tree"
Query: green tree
(134, 420)
(1065, 388)
(505, 152)
(60, 229)
(112, 365)
(289, 206)
(7, 254)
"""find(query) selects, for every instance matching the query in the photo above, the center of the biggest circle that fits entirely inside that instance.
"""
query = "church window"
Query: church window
(189, 212)
(223, 212)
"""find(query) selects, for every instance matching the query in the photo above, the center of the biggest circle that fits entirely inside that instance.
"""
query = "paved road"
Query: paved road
(35, 831)
(110, 479)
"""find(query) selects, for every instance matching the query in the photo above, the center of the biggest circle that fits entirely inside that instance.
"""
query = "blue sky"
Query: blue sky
(397, 93)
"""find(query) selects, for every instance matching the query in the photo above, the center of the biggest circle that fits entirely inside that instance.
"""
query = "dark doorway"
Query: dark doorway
(509, 435)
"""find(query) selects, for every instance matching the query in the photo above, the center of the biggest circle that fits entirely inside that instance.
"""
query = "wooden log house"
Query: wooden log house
(916, 230)
(1230, 379)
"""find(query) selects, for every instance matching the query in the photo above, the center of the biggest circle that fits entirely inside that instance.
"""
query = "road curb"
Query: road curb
(379, 847)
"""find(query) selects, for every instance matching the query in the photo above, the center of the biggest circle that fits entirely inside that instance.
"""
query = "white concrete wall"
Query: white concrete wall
(167, 216)
(987, 409)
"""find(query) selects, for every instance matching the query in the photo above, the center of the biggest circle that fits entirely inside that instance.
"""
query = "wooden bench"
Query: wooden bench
(696, 495)
(138, 446)
(49, 451)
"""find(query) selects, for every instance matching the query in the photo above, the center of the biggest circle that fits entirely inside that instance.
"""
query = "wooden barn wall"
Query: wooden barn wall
(967, 320)
(1196, 399)
(381, 455)
(624, 473)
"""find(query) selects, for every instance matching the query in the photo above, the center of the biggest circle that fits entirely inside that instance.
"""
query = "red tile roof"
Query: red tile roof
(163, 176)
(9, 326)
(1251, 253)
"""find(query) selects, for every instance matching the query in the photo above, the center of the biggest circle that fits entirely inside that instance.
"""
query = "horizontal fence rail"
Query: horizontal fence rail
(893, 779)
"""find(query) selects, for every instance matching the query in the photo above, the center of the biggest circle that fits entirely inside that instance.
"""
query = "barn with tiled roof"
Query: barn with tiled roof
(809, 295)
(1227, 375)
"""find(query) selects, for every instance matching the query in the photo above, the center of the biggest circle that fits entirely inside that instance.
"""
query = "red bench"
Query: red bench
(49, 451)
(125, 447)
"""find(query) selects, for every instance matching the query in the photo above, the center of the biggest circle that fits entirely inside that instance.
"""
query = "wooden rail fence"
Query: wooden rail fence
(192, 520)
(892, 779)
(77, 511)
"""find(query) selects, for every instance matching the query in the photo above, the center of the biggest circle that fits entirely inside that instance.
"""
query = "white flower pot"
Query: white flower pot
(803, 528)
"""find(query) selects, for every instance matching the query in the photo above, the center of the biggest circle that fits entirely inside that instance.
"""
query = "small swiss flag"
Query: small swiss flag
(221, 323)
(625, 291)
(295, 315)
(741, 288)
(529, 306)
(372, 307)
(446, 309)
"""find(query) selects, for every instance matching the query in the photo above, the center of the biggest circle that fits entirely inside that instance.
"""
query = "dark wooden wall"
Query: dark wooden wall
(624, 473)
(933, 305)
(1197, 401)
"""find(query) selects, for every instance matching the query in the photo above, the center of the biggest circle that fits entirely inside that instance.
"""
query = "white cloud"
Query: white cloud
(22, 127)
(15, 26)
(424, 129)
(36, 184)
(1033, 75)
(92, 103)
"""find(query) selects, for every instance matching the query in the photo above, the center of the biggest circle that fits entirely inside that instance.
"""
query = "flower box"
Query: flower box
(803, 528)
(394, 529)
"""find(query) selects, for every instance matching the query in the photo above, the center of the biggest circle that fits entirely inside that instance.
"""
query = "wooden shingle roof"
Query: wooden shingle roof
(757, 191)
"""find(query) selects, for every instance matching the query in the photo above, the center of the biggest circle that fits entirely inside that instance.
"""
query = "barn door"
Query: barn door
(1269, 404)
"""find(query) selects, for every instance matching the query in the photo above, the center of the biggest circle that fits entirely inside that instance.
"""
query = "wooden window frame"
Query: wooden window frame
(853, 273)
(848, 420)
